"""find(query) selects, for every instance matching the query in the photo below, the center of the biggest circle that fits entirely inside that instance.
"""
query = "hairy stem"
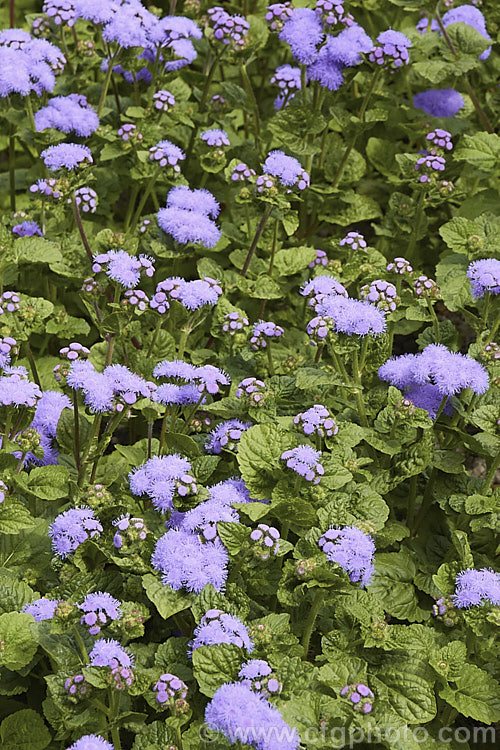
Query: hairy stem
(258, 232)
(311, 619)
(79, 224)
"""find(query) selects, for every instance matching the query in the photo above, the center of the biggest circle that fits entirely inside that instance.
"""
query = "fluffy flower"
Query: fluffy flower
(320, 287)
(161, 478)
(16, 390)
(211, 379)
(61, 12)
(186, 562)
(98, 607)
(204, 518)
(41, 609)
(351, 316)
(243, 715)
(66, 156)
(475, 587)
(175, 369)
(392, 49)
(27, 229)
(129, 26)
(91, 742)
(263, 331)
(215, 137)
(97, 389)
(304, 460)
(109, 653)
(484, 276)
(98, 11)
(218, 627)
(316, 421)
(439, 102)
(124, 268)
(72, 528)
(69, 114)
(304, 33)
(127, 385)
(167, 154)
(288, 169)
(352, 549)
(436, 365)
(187, 216)
(226, 436)
(230, 491)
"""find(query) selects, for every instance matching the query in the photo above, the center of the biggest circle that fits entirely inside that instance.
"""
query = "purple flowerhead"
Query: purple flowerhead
(228, 29)
(305, 461)
(316, 421)
(185, 561)
(129, 132)
(288, 80)
(163, 100)
(136, 299)
(16, 390)
(48, 411)
(218, 627)
(288, 169)
(352, 316)
(445, 610)
(263, 332)
(321, 259)
(8, 347)
(86, 200)
(167, 154)
(440, 138)
(66, 156)
(210, 379)
(123, 268)
(320, 287)
(242, 173)
(400, 266)
(318, 329)
(170, 687)
(359, 695)
(9, 302)
(109, 653)
(226, 436)
(236, 710)
(277, 14)
(60, 12)
(476, 587)
(353, 241)
(303, 32)
(425, 287)
(27, 229)
(234, 322)
(353, 550)
(332, 13)
(68, 114)
(472, 16)
(71, 528)
(265, 541)
(48, 188)
(99, 608)
(91, 742)
(128, 531)
(252, 389)
(161, 478)
(484, 276)
(391, 50)
(41, 609)
(257, 675)
(439, 102)
(203, 519)
(76, 688)
(429, 166)
(382, 294)
(215, 137)
(189, 215)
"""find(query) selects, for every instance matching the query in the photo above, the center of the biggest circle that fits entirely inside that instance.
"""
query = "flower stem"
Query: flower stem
(154, 337)
(77, 429)
(493, 331)
(358, 395)
(31, 360)
(12, 169)
(247, 85)
(273, 247)
(107, 79)
(495, 463)
(311, 619)
(416, 226)
(426, 501)
(31, 116)
(258, 232)
(144, 197)
(270, 363)
(411, 501)
(79, 224)
(435, 322)
(81, 644)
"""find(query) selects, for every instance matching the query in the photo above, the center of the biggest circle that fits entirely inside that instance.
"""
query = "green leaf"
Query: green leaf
(448, 461)
(24, 730)
(381, 153)
(476, 694)
(393, 585)
(234, 536)
(155, 736)
(409, 689)
(14, 594)
(466, 39)
(293, 259)
(35, 250)
(451, 278)
(20, 646)
(48, 482)
(480, 150)
(178, 442)
(264, 287)
(258, 457)
(215, 665)
(14, 516)
(167, 601)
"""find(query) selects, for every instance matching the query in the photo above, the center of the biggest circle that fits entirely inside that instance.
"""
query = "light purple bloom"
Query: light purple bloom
(163, 100)
(204, 518)
(61, 12)
(167, 154)
(353, 317)
(186, 562)
(381, 293)
(472, 16)
(71, 528)
(316, 421)
(109, 653)
(161, 478)
(66, 156)
(91, 742)
(189, 215)
(288, 169)
(476, 587)
(215, 137)
(98, 608)
(391, 50)
(354, 241)
(352, 549)
(226, 436)
(48, 412)
(484, 276)
(439, 102)
(68, 114)
(218, 627)
(27, 229)
(304, 33)
(305, 461)
(16, 390)
(320, 287)
(262, 332)
(41, 609)
(124, 268)
(237, 711)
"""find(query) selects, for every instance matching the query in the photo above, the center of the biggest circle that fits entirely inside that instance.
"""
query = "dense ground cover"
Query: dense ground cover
(249, 402)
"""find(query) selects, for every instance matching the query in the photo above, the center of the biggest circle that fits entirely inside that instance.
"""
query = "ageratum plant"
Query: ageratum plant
(249, 375)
